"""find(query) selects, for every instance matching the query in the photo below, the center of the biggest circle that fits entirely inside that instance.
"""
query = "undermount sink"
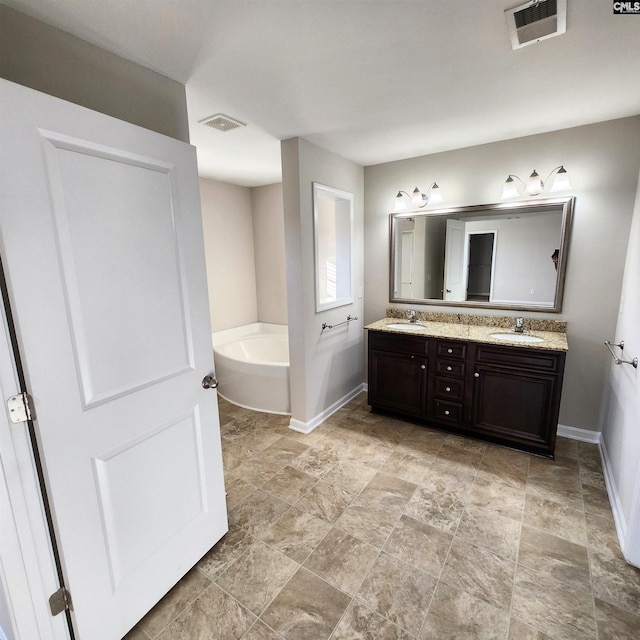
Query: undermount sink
(405, 326)
(515, 337)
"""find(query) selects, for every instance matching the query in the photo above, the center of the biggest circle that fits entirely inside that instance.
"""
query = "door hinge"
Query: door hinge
(60, 601)
(21, 408)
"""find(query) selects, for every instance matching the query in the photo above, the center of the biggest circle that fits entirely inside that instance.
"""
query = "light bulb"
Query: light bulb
(510, 189)
(534, 184)
(561, 181)
(400, 204)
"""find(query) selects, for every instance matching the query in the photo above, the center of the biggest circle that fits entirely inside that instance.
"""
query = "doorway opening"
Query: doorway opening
(480, 266)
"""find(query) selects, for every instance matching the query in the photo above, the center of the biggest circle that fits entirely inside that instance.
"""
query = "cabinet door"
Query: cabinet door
(515, 406)
(398, 382)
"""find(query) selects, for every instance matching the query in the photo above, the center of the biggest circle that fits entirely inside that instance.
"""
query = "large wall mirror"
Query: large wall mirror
(332, 226)
(499, 256)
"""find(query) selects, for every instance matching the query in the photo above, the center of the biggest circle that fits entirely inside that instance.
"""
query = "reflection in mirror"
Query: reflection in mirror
(503, 256)
(332, 224)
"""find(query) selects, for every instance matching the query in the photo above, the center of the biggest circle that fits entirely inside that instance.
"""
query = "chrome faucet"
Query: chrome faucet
(412, 315)
(519, 327)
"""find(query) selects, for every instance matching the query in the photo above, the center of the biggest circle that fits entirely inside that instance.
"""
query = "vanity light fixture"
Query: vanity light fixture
(535, 185)
(418, 199)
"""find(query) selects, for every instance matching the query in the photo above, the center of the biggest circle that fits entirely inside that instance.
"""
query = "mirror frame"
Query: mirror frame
(338, 196)
(497, 208)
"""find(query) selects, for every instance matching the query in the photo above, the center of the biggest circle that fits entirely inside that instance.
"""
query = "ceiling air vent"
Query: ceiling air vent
(222, 122)
(536, 20)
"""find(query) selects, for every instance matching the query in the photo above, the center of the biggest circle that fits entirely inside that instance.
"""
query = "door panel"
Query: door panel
(454, 262)
(133, 479)
(101, 235)
(97, 193)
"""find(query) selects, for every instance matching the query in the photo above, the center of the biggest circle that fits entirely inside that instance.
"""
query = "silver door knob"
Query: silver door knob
(447, 389)
(422, 366)
(476, 375)
(209, 382)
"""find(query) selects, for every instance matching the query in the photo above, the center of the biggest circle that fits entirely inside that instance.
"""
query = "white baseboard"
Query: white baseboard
(584, 435)
(614, 498)
(308, 427)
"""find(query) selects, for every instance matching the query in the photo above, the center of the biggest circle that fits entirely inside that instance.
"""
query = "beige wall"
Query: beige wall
(268, 241)
(603, 161)
(228, 238)
(244, 249)
(47, 59)
(325, 366)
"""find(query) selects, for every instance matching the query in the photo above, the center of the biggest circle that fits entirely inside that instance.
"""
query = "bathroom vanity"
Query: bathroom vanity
(480, 381)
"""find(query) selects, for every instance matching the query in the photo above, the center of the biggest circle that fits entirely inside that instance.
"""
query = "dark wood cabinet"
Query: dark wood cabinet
(398, 373)
(505, 394)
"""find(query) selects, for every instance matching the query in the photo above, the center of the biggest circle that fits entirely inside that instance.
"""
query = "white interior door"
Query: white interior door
(454, 262)
(101, 237)
(406, 266)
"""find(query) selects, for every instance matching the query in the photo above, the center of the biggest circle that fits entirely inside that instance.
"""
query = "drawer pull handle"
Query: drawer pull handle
(476, 375)
(449, 350)
(446, 413)
(447, 389)
(449, 368)
(422, 366)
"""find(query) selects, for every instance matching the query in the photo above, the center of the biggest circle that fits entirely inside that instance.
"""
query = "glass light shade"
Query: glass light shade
(534, 184)
(561, 181)
(400, 203)
(436, 195)
(510, 189)
(417, 198)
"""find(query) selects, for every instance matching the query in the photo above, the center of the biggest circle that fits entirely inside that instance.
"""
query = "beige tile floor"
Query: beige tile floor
(372, 528)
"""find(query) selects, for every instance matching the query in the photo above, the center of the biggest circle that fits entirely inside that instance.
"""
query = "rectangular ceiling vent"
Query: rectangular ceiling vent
(536, 20)
(222, 122)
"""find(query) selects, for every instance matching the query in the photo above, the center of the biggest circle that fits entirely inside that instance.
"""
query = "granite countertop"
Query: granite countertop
(552, 340)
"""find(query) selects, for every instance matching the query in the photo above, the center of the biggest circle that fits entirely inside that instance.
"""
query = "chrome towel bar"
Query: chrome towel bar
(332, 326)
(620, 345)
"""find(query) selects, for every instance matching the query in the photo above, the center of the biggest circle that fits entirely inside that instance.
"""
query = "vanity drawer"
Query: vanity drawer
(447, 412)
(519, 358)
(449, 388)
(451, 349)
(453, 368)
(413, 345)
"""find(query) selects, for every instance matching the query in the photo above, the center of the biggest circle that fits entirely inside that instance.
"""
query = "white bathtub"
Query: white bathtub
(252, 366)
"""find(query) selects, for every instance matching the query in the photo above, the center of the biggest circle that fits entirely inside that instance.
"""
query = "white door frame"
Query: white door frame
(28, 573)
(467, 253)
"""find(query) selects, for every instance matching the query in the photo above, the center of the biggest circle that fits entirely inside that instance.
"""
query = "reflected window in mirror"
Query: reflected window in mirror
(332, 225)
(502, 256)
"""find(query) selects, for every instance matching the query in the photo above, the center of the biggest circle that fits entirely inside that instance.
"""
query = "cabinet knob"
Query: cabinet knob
(449, 350)
(447, 389)
(449, 368)
(422, 366)
(476, 375)
(446, 413)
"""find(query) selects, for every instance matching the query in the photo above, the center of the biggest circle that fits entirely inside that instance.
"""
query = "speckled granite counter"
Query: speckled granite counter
(554, 339)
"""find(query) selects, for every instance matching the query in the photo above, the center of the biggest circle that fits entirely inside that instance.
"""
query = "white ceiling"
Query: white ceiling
(371, 80)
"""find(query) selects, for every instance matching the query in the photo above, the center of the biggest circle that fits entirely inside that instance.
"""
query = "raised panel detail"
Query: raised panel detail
(143, 500)
(111, 277)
